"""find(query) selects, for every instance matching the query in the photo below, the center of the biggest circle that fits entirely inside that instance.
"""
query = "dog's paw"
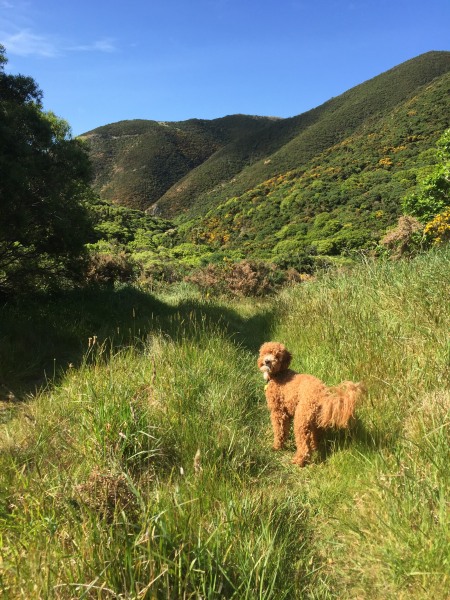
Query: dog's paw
(301, 461)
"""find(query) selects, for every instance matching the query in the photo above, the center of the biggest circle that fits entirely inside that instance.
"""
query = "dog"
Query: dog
(305, 399)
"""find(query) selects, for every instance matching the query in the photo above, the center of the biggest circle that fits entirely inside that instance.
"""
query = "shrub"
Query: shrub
(437, 231)
(244, 278)
(208, 279)
(405, 239)
(433, 194)
(249, 278)
(157, 272)
(106, 269)
(326, 246)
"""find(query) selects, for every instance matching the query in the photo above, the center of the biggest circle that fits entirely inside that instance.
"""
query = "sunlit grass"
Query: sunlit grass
(145, 470)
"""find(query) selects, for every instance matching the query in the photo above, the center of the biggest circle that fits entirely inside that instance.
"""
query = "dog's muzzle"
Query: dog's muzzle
(266, 367)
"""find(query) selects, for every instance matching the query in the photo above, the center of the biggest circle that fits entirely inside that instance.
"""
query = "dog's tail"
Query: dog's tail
(338, 404)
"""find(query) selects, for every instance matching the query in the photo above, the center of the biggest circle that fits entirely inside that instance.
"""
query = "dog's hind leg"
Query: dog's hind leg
(280, 425)
(314, 437)
(305, 433)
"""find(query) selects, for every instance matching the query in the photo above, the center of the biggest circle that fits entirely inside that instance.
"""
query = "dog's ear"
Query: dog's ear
(285, 359)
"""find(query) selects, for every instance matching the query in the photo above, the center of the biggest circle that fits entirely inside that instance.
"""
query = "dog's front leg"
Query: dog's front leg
(280, 425)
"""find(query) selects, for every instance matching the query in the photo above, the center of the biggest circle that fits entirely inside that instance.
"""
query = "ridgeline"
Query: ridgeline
(325, 182)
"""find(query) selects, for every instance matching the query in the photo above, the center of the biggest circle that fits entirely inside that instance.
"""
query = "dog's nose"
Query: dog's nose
(267, 361)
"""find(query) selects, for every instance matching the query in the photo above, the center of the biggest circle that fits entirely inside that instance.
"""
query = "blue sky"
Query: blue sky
(102, 61)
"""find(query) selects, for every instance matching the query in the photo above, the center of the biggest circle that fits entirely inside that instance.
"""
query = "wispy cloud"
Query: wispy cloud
(104, 45)
(22, 36)
(27, 43)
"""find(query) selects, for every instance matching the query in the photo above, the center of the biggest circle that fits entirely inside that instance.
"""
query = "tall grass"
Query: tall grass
(145, 471)
(101, 485)
(386, 323)
(388, 533)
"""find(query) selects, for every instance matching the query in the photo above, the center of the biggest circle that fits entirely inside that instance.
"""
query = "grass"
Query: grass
(145, 471)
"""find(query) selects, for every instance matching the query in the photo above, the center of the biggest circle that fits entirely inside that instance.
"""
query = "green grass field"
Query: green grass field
(142, 467)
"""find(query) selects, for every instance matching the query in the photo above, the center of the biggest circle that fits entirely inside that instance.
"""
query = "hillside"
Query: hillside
(291, 143)
(185, 168)
(344, 197)
(137, 161)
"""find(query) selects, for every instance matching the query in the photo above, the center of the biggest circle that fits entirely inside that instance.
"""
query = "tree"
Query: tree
(44, 186)
(426, 218)
(433, 193)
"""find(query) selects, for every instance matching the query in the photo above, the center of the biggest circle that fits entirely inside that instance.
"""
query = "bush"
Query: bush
(437, 231)
(107, 269)
(244, 278)
(248, 278)
(433, 194)
(406, 239)
(432, 197)
(159, 272)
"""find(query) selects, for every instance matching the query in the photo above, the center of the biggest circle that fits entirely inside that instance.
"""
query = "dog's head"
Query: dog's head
(273, 358)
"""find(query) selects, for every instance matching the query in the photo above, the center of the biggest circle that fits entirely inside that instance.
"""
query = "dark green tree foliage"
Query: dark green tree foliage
(120, 225)
(44, 182)
(433, 193)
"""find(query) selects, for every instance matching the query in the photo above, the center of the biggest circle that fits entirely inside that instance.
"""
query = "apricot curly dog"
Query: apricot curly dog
(304, 398)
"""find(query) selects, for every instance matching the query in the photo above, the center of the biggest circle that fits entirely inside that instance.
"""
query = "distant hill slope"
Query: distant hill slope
(290, 143)
(137, 161)
(183, 169)
(341, 199)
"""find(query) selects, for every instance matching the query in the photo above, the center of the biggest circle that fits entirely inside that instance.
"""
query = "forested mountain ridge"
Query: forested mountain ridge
(343, 198)
(137, 161)
(186, 168)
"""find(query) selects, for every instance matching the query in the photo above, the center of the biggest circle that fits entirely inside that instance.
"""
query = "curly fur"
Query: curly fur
(306, 400)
